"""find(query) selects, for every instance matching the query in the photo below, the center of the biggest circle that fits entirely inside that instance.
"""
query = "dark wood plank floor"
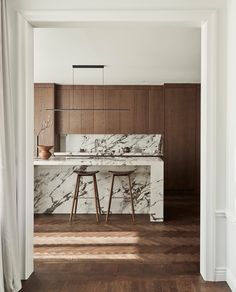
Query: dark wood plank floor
(120, 256)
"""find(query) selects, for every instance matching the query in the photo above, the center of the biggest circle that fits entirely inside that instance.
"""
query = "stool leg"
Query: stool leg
(96, 198)
(131, 197)
(74, 198)
(96, 185)
(111, 193)
(77, 195)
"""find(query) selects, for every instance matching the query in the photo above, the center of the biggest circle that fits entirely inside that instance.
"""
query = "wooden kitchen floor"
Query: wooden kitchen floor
(120, 256)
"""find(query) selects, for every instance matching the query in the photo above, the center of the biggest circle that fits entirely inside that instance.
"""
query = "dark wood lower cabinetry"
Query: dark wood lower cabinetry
(172, 110)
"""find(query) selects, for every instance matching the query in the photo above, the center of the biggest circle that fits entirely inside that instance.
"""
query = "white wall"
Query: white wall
(113, 4)
(218, 5)
(134, 54)
(231, 145)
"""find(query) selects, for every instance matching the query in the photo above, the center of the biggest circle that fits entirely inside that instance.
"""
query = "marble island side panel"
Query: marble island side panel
(55, 183)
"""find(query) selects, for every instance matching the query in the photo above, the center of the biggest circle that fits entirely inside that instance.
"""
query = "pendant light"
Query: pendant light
(88, 109)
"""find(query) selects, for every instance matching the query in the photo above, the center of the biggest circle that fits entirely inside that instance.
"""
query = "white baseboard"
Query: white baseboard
(220, 274)
(231, 280)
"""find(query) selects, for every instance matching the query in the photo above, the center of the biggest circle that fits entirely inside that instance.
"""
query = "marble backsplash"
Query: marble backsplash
(106, 143)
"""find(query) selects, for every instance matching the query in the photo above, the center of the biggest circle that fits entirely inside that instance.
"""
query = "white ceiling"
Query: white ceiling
(133, 54)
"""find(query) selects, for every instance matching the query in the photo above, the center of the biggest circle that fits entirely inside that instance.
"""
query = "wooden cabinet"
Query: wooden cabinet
(127, 97)
(87, 117)
(156, 110)
(112, 118)
(141, 111)
(181, 137)
(172, 110)
(145, 114)
(62, 101)
(99, 116)
(44, 99)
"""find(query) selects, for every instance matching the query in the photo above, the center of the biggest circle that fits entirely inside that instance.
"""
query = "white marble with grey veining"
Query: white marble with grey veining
(147, 144)
(55, 182)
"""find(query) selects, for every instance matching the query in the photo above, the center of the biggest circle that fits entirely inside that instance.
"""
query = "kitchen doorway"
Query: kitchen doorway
(207, 143)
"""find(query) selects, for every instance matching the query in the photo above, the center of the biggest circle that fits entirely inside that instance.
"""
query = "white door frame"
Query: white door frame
(207, 20)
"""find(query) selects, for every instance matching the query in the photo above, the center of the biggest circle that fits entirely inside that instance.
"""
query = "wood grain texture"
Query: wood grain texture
(198, 138)
(112, 118)
(75, 117)
(156, 110)
(43, 99)
(165, 256)
(181, 136)
(62, 119)
(145, 104)
(127, 117)
(141, 109)
(99, 116)
(87, 117)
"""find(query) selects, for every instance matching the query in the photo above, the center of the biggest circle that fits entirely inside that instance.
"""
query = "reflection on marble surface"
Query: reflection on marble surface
(103, 143)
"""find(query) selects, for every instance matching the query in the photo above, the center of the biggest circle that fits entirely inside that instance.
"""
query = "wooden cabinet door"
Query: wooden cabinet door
(112, 118)
(156, 110)
(181, 136)
(62, 101)
(99, 115)
(141, 111)
(127, 116)
(87, 116)
(44, 99)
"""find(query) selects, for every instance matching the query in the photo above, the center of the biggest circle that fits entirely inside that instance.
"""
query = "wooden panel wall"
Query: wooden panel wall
(172, 110)
(145, 104)
(182, 137)
(44, 98)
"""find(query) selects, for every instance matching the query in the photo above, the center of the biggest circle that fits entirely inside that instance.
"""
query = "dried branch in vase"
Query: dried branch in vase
(45, 124)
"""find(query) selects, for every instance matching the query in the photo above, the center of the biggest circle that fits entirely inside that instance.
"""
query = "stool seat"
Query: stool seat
(121, 173)
(85, 173)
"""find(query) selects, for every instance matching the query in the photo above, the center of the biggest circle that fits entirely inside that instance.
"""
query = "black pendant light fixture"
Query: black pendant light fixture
(88, 109)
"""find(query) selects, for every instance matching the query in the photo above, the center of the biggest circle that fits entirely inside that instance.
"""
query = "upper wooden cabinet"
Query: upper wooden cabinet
(145, 104)
(62, 100)
(127, 101)
(112, 118)
(156, 110)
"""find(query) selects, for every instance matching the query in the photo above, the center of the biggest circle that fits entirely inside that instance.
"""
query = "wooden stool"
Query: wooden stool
(121, 173)
(76, 193)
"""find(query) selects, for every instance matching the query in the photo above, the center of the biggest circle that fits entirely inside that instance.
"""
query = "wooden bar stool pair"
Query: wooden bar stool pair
(96, 195)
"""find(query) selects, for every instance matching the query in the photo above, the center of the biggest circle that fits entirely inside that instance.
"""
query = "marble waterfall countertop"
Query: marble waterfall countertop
(54, 184)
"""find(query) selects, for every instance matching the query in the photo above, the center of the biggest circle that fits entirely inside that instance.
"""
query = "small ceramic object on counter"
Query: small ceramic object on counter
(126, 149)
(44, 151)
(82, 150)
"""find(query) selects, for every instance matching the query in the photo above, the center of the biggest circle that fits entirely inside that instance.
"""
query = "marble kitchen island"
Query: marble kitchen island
(55, 183)
(55, 180)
